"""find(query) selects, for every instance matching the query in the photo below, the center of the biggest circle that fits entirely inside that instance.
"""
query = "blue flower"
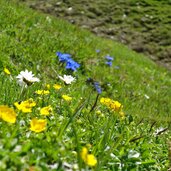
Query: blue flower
(109, 63)
(71, 64)
(97, 87)
(63, 57)
(109, 58)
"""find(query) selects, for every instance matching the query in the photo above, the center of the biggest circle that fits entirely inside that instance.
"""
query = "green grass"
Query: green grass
(30, 40)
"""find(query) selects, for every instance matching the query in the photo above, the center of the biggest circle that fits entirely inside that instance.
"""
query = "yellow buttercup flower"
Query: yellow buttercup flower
(114, 105)
(21, 106)
(25, 106)
(66, 97)
(46, 110)
(7, 114)
(84, 153)
(42, 92)
(57, 86)
(38, 125)
(7, 71)
(89, 159)
(105, 100)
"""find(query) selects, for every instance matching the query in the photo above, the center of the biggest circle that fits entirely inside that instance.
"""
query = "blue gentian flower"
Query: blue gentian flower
(63, 57)
(71, 64)
(97, 87)
(109, 58)
(109, 63)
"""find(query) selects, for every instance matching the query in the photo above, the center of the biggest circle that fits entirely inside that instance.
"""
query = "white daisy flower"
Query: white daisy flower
(68, 79)
(26, 78)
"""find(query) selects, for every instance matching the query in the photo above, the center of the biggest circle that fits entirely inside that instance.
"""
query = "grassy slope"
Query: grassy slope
(29, 40)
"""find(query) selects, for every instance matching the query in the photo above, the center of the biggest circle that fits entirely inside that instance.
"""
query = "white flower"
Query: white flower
(68, 79)
(133, 154)
(26, 78)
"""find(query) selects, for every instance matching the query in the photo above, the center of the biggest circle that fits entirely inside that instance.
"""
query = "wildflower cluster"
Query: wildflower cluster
(25, 79)
(36, 125)
(70, 63)
(25, 106)
(113, 105)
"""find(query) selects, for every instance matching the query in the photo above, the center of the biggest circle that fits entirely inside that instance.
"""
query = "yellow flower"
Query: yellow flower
(118, 105)
(57, 86)
(84, 153)
(42, 92)
(7, 114)
(66, 97)
(7, 71)
(21, 106)
(38, 125)
(105, 100)
(46, 110)
(114, 105)
(25, 106)
(89, 159)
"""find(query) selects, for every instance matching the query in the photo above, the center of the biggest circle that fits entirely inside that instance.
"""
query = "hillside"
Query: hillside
(70, 100)
(142, 25)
